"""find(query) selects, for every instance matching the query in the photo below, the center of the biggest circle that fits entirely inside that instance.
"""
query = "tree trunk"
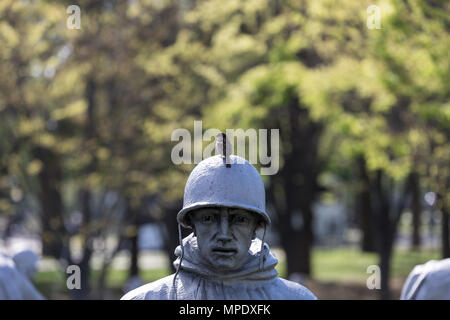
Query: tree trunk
(134, 267)
(382, 209)
(170, 223)
(384, 251)
(388, 211)
(385, 269)
(104, 271)
(445, 233)
(84, 264)
(85, 274)
(50, 180)
(133, 220)
(85, 194)
(298, 181)
(364, 208)
(416, 210)
(297, 246)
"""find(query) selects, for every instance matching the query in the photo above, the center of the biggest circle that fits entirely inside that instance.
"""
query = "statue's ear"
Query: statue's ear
(259, 226)
(189, 222)
(254, 234)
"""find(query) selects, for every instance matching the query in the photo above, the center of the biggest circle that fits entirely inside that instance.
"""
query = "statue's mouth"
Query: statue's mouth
(224, 251)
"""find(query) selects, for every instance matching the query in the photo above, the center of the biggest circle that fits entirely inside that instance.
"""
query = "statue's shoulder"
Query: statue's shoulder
(290, 290)
(157, 290)
(428, 281)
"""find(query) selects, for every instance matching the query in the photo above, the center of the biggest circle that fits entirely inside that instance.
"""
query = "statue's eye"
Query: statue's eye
(240, 219)
(207, 218)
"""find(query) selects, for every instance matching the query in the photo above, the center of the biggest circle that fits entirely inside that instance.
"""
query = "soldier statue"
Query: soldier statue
(16, 274)
(224, 205)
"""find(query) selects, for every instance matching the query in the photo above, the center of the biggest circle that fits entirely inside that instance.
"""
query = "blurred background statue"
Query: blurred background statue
(16, 274)
(224, 202)
(429, 281)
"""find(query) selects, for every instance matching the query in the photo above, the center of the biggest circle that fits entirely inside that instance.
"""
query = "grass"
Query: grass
(349, 264)
(51, 282)
(117, 278)
(343, 265)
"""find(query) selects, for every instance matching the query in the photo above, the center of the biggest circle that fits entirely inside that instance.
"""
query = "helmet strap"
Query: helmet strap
(180, 238)
(261, 251)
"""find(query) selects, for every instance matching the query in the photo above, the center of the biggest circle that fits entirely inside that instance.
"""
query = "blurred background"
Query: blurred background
(86, 117)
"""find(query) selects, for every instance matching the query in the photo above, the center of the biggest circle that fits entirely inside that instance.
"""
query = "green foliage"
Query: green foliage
(231, 62)
(104, 100)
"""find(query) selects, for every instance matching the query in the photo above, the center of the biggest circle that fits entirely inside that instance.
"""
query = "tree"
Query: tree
(93, 139)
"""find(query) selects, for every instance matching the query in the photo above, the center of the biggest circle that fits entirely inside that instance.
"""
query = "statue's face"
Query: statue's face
(224, 235)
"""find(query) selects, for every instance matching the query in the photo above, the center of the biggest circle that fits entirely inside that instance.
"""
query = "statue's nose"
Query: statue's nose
(224, 234)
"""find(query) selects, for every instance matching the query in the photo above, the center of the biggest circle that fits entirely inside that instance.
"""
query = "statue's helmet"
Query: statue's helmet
(217, 182)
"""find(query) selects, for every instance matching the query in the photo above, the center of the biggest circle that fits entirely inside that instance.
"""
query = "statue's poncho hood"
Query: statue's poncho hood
(196, 281)
(250, 271)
